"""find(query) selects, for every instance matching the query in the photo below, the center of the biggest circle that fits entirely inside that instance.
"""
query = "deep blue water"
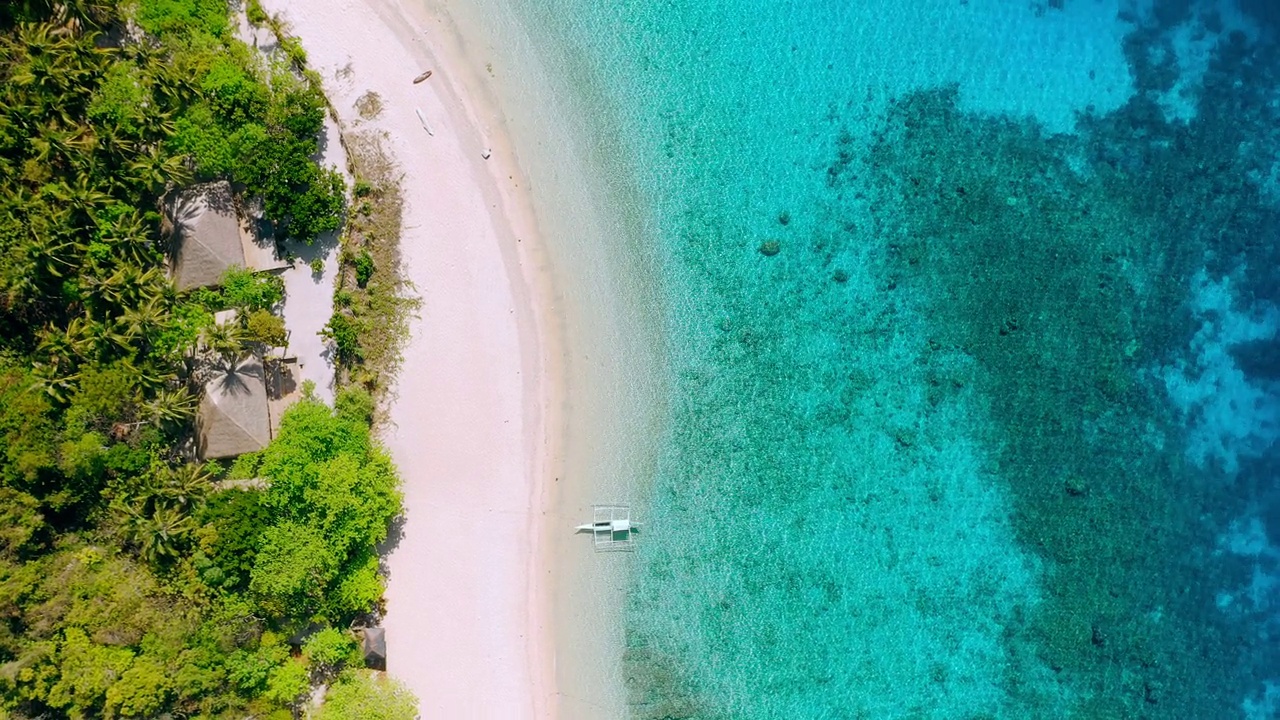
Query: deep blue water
(973, 338)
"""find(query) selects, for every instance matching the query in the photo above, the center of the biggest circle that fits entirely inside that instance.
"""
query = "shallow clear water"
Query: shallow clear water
(971, 323)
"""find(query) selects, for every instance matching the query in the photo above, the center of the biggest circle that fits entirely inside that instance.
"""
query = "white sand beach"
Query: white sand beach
(528, 387)
(467, 625)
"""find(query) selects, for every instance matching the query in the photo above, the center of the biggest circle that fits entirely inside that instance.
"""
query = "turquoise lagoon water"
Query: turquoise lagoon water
(971, 327)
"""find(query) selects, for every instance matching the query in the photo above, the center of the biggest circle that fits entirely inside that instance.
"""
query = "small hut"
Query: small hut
(207, 237)
(233, 418)
(373, 643)
(205, 240)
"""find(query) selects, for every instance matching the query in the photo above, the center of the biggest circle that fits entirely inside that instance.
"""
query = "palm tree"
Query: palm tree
(160, 124)
(54, 143)
(43, 39)
(55, 62)
(53, 258)
(127, 285)
(146, 375)
(173, 82)
(80, 196)
(160, 534)
(91, 13)
(108, 339)
(186, 485)
(57, 346)
(115, 146)
(226, 339)
(155, 171)
(131, 241)
(170, 406)
(76, 340)
(52, 246)
(139, 321)
(54, 381)
(22, 111)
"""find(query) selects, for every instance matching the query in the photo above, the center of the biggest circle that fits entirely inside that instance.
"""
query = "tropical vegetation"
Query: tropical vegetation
(372, 304)
(136, 581)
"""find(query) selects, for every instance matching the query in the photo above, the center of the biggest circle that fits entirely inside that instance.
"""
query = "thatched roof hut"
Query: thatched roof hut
(233, 418)
(373, 643)
(205, 237)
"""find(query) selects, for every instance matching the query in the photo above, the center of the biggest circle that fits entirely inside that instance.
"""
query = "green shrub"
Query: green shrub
(183, 17)
(267, 328)
(293, 49)
(20, 522)
(247, 291)
(364, 695)
(248, 671)
(257, 16)
(28, 432)
(298, 110)
(237, 518)
(294, 566)
(84, 458)
(354, 403)
(182, 329)
(332, 495)
(364, 268)
(329, 649)
(345, 336)
(245, 466)
(317, 209)
(289, 683)
(301, 198)
(236, 96)
(122, 99)
(199, 136)
(104, 395)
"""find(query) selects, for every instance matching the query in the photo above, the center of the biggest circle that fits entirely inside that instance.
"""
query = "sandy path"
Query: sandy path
(467, 626)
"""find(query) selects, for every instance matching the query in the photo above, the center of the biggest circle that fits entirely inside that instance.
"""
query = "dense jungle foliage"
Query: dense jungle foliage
(132, 582)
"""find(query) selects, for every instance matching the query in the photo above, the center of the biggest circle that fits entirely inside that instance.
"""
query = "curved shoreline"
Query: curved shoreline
(473, 419)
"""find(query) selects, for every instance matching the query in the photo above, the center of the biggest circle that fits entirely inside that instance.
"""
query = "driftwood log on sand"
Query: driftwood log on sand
(422, 77)
(422, 118)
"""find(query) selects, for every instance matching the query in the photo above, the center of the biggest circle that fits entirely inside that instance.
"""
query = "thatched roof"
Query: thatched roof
(374, 645)
(233, 417)
(206, 235)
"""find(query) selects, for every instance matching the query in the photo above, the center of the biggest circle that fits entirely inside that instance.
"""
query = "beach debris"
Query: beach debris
(769, 248)
(369, 105)
(487, 152)
(422, 77)
(422, 118)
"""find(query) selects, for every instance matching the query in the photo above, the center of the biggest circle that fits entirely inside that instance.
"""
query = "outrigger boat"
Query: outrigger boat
(611, 528)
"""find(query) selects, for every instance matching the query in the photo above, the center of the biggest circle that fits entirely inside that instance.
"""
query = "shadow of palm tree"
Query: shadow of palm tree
(232, 375)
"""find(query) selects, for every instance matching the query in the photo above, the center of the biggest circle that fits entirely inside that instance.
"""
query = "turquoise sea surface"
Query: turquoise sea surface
(971, 315)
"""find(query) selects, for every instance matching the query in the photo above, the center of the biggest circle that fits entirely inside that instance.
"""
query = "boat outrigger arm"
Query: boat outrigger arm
(608, 526)
(611, 528)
